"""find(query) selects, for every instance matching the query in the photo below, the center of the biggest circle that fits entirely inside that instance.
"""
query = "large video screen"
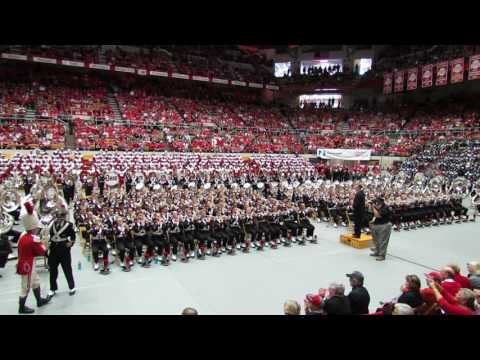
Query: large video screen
(282, 69)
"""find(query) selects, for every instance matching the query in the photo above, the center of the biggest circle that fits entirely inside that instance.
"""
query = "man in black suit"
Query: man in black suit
(358, 211)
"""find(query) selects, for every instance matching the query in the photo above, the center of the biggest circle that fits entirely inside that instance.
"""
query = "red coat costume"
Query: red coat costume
(29, 247)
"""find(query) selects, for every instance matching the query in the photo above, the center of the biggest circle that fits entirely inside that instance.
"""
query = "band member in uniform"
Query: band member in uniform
(29, 247)
(189, 234)
(124, 243)
(99, 243)
(305, 222)
(139, 231)
(358, 211)
(175, 233)
(160, 238)
(203, 234)
(62, 238)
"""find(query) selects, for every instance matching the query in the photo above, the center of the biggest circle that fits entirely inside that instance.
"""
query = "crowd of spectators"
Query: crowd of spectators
(160, 114)
(211, 61)
(446, 292)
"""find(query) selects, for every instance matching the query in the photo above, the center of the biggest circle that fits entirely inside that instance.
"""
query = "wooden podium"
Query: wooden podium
(362, 243)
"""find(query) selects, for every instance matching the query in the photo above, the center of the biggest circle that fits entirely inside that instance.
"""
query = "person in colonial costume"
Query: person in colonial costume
(29, 247)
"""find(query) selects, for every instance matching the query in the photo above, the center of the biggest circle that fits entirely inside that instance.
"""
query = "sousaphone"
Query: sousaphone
(459, 186)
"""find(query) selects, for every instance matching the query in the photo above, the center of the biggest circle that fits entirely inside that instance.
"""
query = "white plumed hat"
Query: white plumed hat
(30, 219)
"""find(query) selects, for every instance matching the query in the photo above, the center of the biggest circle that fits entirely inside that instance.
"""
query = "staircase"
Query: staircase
(70, 141)
(117, 114)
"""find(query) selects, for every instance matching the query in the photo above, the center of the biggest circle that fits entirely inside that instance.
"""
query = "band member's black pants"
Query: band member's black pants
(175, 238)
(220, 237)
(59, 254)
(189, 240)
(305, 224)
(124, 244)
(162, 243)
(143, 240)
(293, 227)
(358, 219)
(252, 230)
(204, 237)
(97, 246)
(238, 235)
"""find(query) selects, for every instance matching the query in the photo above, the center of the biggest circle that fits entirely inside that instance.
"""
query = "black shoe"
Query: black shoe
(22, 308)
(380, 258)
(41, 301)
(373, 254)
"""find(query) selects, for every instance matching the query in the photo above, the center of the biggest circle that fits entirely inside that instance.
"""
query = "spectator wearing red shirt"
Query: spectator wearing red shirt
(461, 304)
(449, 283)
(458, 277)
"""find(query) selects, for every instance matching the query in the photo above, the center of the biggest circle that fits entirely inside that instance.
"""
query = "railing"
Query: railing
(258, 130)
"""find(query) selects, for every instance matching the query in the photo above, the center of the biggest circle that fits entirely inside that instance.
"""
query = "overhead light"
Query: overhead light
(326, 89)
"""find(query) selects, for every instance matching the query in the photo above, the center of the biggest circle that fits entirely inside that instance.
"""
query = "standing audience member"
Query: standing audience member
(381, 228)
(359, 297)
(411, 292)
(291, 307)
(474, 274)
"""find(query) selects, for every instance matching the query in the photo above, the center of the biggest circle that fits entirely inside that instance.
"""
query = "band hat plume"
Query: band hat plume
(30, 220)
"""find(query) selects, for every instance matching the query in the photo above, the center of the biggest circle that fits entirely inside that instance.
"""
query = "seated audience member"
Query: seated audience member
(477, 301)
(462, 280)
(189, 311)
(402, 309)
(314, 305)
(336, 303)
(359, 297)
(463, 303)
(449, 283)
(291, 307)
(474, 274)
(411, 292)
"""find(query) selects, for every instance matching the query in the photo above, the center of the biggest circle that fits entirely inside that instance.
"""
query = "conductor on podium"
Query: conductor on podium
(358, 211)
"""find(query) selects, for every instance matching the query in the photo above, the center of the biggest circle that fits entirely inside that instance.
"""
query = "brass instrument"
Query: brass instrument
(459, 186)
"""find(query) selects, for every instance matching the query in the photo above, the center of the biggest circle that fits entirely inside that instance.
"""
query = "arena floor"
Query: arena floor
(255, 283)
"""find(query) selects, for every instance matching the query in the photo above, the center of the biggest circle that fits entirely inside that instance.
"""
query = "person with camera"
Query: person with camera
(381, 228)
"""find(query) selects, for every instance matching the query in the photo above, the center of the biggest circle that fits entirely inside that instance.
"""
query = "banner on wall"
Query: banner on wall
(441, 73)
(427, 76)
(474, 67)
(412, 75)
(457, 69)
(398, 81)
(344, 154)
(387, 83)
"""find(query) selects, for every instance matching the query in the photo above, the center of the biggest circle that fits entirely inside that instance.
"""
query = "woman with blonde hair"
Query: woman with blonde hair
(291, 307)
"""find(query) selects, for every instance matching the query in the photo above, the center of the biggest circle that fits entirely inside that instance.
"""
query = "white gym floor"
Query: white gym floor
(254, 283)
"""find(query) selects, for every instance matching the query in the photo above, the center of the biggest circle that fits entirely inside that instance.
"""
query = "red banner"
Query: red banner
(387, 83)
(457, 69)
(474, 67)
(427, 76)
(399, 81)
(441, 73)
(412, 75)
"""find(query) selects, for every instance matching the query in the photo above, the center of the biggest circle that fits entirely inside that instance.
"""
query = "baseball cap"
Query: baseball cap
(315, 299)
(356, 275)
(435, 275)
